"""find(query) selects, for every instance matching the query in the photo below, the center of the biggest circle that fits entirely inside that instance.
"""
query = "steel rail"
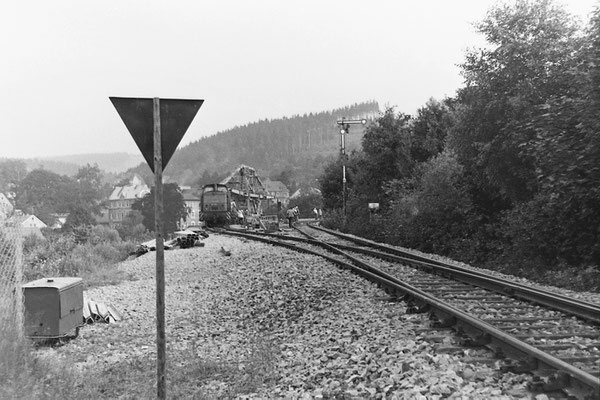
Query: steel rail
(583, 309)
(501, 342)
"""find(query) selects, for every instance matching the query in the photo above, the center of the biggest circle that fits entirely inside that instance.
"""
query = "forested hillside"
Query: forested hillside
(298, 145)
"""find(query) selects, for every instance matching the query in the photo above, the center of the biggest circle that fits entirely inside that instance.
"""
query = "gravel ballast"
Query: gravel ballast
(265, 322)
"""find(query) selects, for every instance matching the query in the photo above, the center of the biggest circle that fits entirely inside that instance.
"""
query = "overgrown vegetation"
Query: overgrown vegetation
(25, 373)
(91, 253)
(504, 175)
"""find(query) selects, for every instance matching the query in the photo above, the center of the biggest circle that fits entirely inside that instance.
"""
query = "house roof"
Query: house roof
(275, 186)
(129, 192)
(4, 202)
(136, 189)
(25, 219)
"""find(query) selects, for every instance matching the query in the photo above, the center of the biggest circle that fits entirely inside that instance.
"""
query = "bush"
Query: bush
(542, 234)
(333, 219)
(99, 234)
(132, 229)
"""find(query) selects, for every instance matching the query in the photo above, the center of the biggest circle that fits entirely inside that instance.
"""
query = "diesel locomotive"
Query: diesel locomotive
(215, 205)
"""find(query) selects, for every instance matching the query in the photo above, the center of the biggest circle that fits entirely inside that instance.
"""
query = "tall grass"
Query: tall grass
(93, 257)
(27, 373)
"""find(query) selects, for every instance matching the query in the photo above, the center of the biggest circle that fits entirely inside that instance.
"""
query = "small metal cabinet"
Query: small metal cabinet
(53, 306)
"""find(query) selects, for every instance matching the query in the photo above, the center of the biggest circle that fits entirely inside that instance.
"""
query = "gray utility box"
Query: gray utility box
(53, 306)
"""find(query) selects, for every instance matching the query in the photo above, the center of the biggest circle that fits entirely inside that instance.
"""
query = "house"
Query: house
(26, 224)
(278, 190)
(6, 207)
(31, 221)
(192, 204)
(122, 198)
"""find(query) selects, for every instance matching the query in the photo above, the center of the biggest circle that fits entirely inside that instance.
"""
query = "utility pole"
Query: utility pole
(344, 125)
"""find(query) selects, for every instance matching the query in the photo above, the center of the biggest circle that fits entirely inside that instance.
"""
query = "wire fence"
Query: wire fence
(11, 276)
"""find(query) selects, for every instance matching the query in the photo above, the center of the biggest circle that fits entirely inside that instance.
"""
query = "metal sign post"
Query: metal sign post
(157, 127)
(344, 125)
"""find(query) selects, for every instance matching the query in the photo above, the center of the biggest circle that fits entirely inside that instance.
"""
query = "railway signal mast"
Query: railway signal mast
(344, 125)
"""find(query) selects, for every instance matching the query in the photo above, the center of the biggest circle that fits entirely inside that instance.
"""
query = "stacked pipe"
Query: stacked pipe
(187, 241)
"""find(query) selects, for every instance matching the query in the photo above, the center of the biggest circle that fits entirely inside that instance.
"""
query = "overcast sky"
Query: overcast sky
(249, 60)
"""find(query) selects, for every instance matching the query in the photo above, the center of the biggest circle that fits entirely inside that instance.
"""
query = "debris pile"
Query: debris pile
(182, 239)
(186, 241)
(94, 311)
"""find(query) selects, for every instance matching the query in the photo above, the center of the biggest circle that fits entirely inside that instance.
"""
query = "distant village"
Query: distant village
(247, 188)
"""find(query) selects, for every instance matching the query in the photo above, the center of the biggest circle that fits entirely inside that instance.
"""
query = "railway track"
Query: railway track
(554, 337)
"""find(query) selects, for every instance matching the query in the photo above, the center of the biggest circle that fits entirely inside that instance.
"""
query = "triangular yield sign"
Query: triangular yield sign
(176, 115)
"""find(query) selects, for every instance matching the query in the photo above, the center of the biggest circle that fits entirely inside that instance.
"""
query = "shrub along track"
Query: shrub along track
(555, 337)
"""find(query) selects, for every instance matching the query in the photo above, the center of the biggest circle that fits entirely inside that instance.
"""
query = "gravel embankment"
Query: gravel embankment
(301, 326)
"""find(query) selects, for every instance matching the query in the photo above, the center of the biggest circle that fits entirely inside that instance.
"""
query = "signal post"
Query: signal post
(344, 126)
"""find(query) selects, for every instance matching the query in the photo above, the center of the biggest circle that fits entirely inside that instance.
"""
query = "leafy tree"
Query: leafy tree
(331, 185)
(561, 221)
(11, 174)
(331, 182)
(79, 216)
(528, 59)
(132, 227)
(386, 148)
(174, 208)
(430, 128)
(43, 192)
(432, 211)
(90, 188)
